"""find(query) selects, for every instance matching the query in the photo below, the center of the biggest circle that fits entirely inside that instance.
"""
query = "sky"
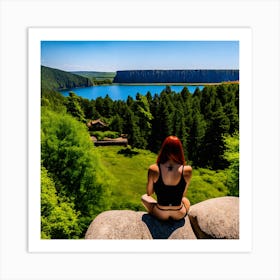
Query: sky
(110, 56)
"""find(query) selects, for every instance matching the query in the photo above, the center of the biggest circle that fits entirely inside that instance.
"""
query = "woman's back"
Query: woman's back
(170, 184)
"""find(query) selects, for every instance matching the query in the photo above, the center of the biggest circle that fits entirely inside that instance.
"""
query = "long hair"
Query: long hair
(171, 149)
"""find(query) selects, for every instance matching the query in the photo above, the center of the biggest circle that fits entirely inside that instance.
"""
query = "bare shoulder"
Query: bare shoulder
(187, 171)
(153, 171)
(153, 168)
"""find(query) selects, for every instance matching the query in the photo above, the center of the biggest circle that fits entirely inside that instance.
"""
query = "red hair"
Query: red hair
(171, 149)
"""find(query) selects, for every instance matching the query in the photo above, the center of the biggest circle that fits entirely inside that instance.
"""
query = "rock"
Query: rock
(169, 229)
(127, 224)
(212, 218)
(118, 224)
(216, 218)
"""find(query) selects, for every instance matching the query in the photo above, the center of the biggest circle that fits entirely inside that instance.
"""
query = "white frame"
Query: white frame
(243, 35)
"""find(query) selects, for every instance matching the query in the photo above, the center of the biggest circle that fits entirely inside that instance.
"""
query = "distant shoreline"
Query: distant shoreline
(163, 84)
(153, 84)
(174, 84)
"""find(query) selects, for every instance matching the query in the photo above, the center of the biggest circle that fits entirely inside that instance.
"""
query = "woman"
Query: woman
(169, 179)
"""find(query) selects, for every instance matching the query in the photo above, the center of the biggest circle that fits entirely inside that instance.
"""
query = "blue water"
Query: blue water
(121, 92)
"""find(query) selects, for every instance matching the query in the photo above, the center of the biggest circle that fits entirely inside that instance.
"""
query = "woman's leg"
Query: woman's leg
(186, 203)
(148, 202)
(163, 215)
(180, 214)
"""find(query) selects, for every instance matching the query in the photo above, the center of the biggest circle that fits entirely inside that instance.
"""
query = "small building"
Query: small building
(97, 125)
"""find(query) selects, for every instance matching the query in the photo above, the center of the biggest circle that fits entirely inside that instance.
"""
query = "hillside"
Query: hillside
(97, 78)
(95, 74)
(176, 76)
(57, 79)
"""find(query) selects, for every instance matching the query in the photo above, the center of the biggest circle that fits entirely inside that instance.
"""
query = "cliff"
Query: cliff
(216, 218)
(176, 76)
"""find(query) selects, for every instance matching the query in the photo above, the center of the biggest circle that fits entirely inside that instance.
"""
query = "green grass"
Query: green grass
(130, 171)
(206, 184)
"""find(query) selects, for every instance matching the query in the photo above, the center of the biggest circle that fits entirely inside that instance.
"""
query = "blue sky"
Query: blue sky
(138, 55)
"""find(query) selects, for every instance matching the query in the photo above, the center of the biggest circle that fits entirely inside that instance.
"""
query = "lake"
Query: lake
(121, 92)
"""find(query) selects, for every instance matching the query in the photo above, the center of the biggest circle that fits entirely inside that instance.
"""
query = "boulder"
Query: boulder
(127, 224)
(213, 218)
(216, 218)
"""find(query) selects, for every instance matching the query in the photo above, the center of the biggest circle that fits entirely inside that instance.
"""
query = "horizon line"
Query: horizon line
(155, 69)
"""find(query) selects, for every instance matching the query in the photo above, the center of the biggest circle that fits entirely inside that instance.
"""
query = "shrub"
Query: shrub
(74, 165)
(101, 135)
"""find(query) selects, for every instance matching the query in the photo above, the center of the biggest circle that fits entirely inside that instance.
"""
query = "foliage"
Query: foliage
(73, 106)
(206, 184)
(78, 180)
(232, 156)
(59, 219)
(129, 168)
(56, 79)
(131, 176)
(200, 120)
(53, 100)
(74, 165)
(97, 78)
(100, 135)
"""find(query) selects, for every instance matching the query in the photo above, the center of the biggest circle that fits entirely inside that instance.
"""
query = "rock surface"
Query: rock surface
(127, 224)
(216, 218)
(213, 218)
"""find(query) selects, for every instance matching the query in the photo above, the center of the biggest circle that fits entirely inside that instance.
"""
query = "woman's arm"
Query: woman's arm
(152, 174)
(188, 176)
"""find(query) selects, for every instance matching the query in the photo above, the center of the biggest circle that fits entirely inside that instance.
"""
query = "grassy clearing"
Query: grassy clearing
(129, 167)
(206, 184)
(130, 171)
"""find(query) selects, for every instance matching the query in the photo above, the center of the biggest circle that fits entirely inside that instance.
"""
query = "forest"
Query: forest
(79, 180)
(57, 79)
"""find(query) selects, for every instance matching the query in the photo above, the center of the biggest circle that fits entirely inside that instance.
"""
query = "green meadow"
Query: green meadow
(129, 170)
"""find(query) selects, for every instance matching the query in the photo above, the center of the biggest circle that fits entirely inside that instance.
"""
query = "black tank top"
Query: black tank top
(169, 195)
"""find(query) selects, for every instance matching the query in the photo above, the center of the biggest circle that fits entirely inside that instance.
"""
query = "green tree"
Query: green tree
(155, 141)
(88, 107)
(53, 100)
(197, 134)
(72, 161)
(74, 107)
(107, 107)
(218, 126)
(180, 128)
(144, 119)
(166, 117)
(59, 220)
(232, 156)
(132, 129)
(117, 124)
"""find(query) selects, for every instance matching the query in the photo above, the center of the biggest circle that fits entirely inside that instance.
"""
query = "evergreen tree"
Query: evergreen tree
(73, 106)
(232, 113)
(149, 97)
(145, 117)
(181, 131)
(218, 126)
(155, 141)
(165, 117)
(107, 107)
(197, 134)
(88, 107)
(117, 124)
(131, 128)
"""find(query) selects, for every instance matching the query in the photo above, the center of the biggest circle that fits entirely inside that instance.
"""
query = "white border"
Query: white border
(243, 35)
